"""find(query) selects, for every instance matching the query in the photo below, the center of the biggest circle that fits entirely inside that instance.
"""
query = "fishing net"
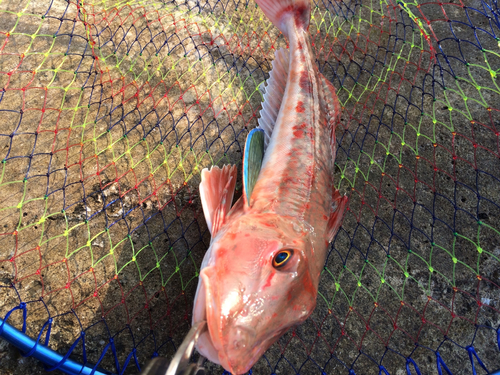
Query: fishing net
(110, 110)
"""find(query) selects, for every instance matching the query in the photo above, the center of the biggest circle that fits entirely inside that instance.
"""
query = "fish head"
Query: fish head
(257, 283)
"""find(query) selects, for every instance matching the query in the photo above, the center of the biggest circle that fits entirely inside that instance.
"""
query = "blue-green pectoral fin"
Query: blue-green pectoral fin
(252, 161)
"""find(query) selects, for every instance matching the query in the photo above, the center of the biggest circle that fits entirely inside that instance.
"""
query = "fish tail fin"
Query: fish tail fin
(278, 10)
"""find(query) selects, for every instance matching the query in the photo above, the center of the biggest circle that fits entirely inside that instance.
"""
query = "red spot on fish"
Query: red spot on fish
(300, 14)
(303, 126)
(247, 235)
(299, 46)
(298, 134)
(300, 107)
(325, 217)
(231, 236)
(305, 82)
(308, 284)
(268, 281)
(221, 251)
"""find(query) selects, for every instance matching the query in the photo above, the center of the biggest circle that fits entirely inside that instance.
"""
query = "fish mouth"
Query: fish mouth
(210, 341)
(236, 346)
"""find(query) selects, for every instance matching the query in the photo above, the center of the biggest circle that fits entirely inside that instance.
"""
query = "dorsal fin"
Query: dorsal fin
(273, 92)
(252, 161)
(333, 114)
(216, 193)
(332, 107)
(336, 214)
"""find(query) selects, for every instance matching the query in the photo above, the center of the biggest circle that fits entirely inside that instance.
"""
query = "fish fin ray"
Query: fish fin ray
(273, 92)
(216, 193)
(237, 209)
(331, 98)
(332, 108)
(220, 213)
(252, 161)
(336, 215)
(262, 88)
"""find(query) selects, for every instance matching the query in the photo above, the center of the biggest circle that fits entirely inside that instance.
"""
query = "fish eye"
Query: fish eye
(282, 258)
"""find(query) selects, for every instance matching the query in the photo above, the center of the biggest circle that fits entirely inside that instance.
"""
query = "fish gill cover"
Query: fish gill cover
(110, 110)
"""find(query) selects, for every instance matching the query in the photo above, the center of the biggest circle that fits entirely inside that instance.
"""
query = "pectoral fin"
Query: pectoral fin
(336, 215)
(216, 192)
(252, 161)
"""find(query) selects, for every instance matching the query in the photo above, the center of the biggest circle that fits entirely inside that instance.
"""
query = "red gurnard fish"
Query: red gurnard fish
(261, 272)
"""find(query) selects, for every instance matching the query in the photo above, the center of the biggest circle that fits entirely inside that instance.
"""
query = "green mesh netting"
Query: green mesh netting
(110, 110)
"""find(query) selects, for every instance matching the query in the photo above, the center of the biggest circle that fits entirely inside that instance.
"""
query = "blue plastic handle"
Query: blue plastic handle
(43, 353)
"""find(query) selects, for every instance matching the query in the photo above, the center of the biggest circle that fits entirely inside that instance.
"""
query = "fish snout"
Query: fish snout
(239, 348)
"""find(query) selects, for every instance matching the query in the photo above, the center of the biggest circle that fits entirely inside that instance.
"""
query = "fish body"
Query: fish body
(261, 272)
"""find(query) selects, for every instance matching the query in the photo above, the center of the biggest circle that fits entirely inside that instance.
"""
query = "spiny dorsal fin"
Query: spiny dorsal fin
(216, 193)
(273, 92)
(252, 161)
